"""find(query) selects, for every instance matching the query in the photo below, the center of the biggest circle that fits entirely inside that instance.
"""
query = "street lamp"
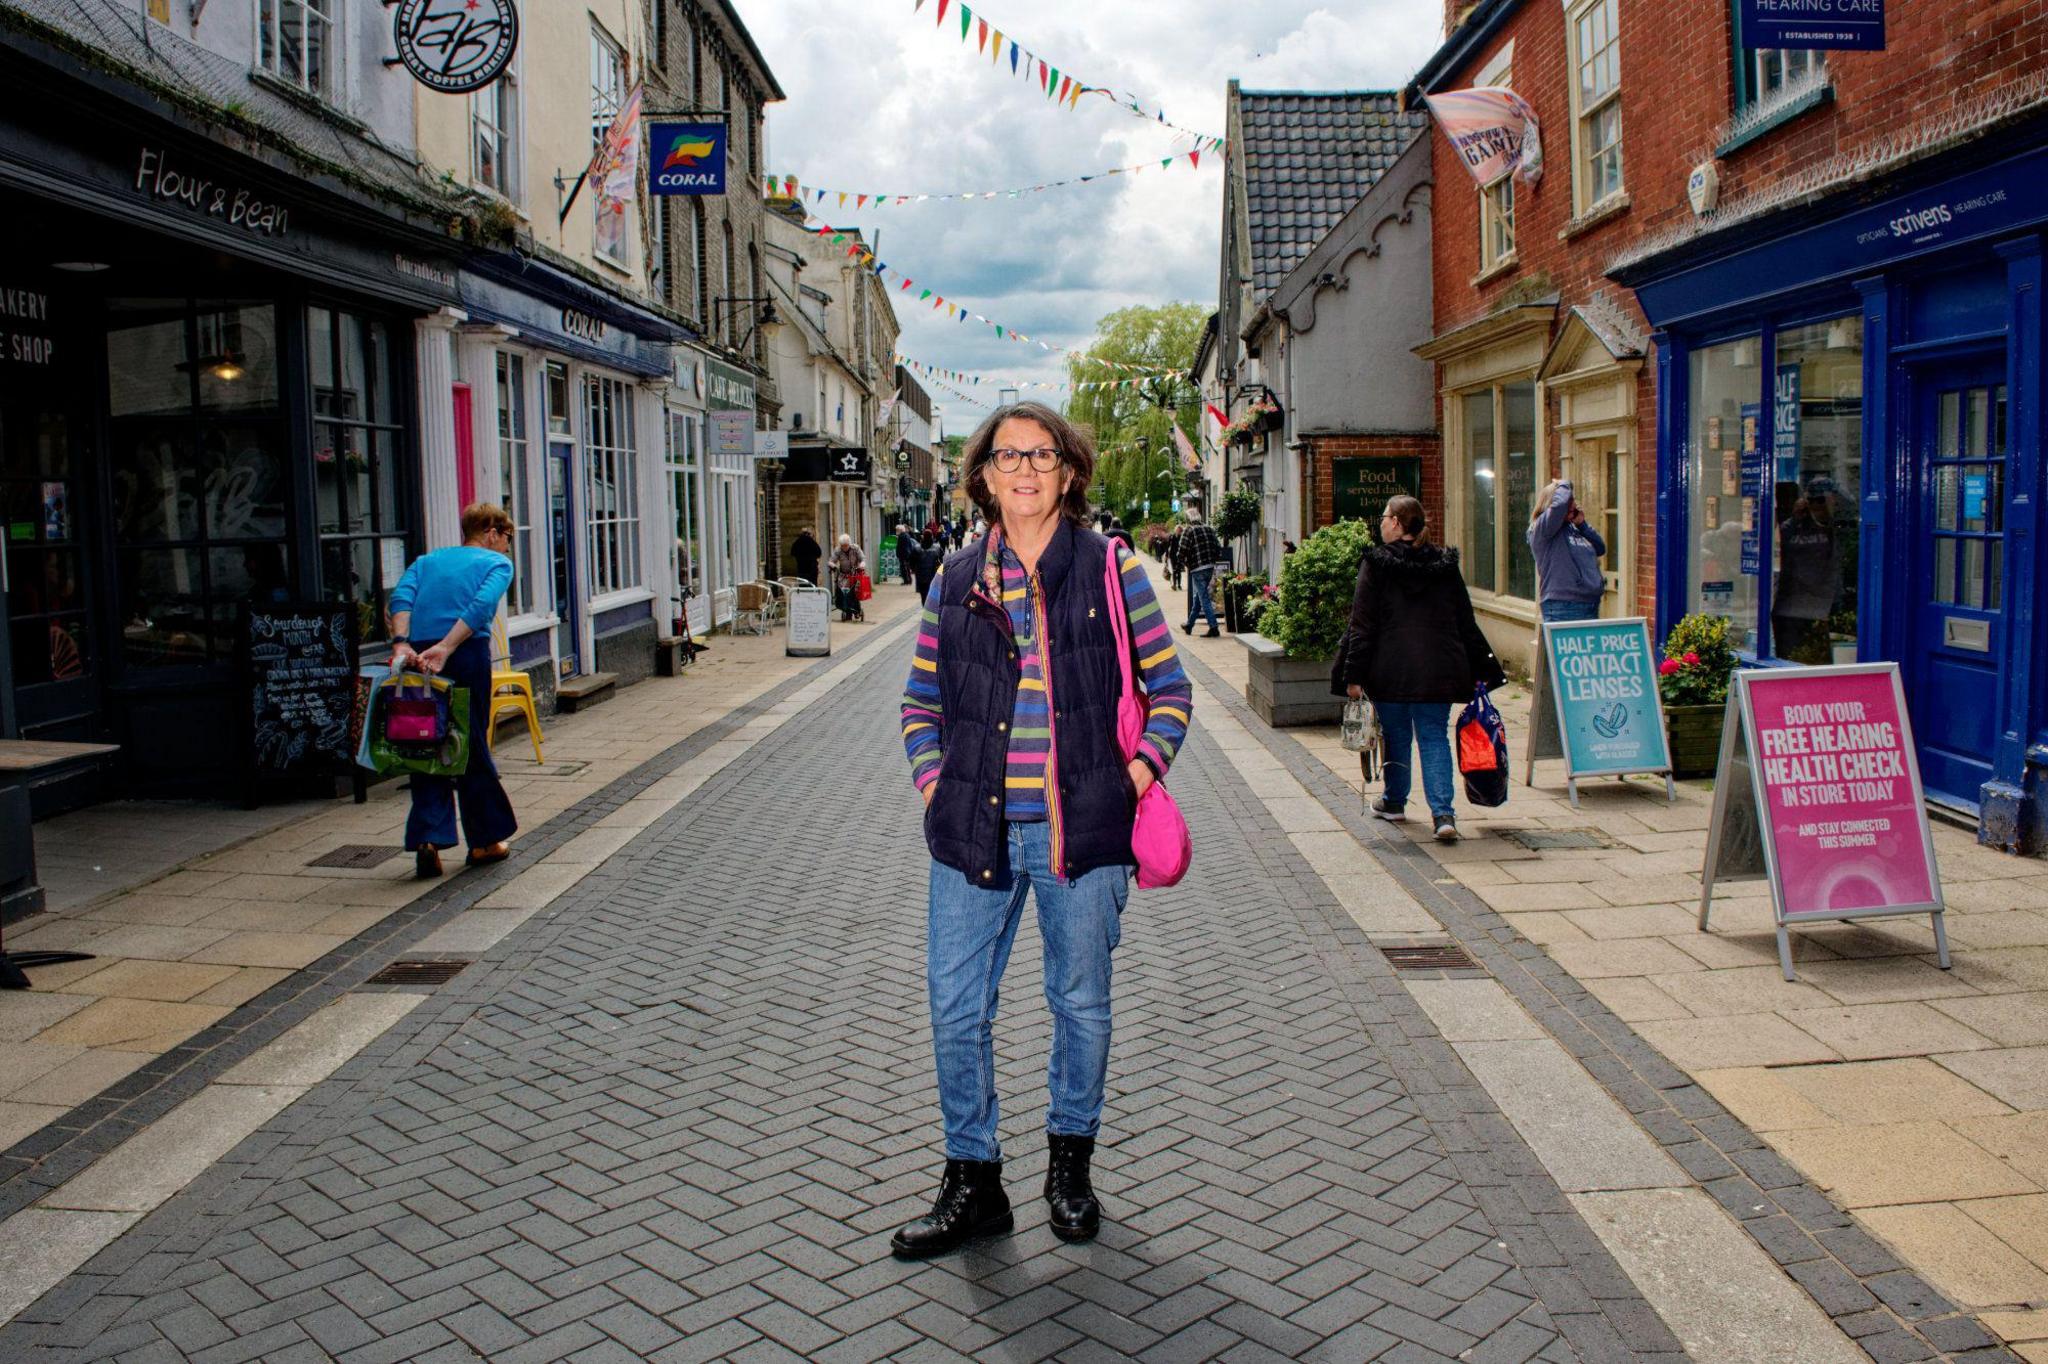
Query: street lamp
(766, 317)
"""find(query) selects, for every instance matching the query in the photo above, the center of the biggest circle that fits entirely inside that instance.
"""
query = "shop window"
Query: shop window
(607, 98)
(1498, 444)
(683, 460)
(611, 492)
(495, 136)
(298, 41)
(1816, 482)
(515, 472)
(1726, 481)
(46, 597)
(360, 506)
(1968, 472)
(1596, 103)
(196, 465)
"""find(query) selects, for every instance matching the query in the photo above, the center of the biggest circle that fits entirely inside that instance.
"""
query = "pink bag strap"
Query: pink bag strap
(1130, 716)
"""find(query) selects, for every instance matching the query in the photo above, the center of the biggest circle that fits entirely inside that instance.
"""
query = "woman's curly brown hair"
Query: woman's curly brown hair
(1077, 451)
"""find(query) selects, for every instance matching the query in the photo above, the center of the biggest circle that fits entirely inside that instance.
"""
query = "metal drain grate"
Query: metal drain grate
(1434, 957)
(1547, 840)
(417, 973)
(356, 856)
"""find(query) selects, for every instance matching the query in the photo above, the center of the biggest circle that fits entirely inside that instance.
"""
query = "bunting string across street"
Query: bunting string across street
(789, 186)
(1063, 87)
(963, 377)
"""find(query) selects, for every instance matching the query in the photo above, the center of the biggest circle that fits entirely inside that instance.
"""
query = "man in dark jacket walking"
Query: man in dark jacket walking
(1199, 552)
(807, 552)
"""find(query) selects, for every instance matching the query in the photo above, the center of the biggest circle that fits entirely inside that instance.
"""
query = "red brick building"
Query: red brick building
(1807, 396)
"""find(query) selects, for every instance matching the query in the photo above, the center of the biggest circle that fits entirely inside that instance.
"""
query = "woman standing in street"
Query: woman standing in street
(1009, 719)
(1414, 648)
(847, 564)
(450, 596)
(1568, 553)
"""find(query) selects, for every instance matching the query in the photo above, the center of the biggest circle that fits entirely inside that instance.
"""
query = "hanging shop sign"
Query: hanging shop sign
(771, 445)
(1835, 25)
(1818, 792)
(726, 386)
(1361, 485)
(849, 465)
(685, 158)
(1596, 703)
(455, 46)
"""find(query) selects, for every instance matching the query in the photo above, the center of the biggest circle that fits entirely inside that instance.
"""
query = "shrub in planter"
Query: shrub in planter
(1693, 680)
(1316, 582)
(1233, 592)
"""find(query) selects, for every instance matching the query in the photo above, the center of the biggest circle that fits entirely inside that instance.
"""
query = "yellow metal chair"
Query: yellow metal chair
(511, 690)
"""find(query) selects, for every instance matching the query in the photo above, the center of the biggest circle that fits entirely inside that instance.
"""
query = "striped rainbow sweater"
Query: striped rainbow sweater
(1169, 694)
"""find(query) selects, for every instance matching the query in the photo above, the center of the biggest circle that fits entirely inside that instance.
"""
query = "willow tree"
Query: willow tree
(1133, 422)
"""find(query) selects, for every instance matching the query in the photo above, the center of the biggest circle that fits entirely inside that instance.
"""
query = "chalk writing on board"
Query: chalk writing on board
(302, 684)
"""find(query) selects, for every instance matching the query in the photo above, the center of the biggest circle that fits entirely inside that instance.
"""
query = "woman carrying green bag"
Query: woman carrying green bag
(450, 597)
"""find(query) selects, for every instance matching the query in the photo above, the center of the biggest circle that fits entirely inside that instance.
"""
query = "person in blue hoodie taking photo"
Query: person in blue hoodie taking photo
(1568, 552)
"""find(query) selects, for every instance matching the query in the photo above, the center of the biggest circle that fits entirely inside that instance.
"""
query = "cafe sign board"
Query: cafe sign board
(1818, 792)
(1360, 485)
(1596, 703)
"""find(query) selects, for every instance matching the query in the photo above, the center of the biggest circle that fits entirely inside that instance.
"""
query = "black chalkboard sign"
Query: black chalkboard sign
(301, 668)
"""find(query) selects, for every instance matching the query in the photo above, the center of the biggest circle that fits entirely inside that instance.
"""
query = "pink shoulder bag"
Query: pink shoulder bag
(1159, 835)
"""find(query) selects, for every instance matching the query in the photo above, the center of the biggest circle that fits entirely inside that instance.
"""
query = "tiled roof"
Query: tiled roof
(121, 38)
(1307, 158)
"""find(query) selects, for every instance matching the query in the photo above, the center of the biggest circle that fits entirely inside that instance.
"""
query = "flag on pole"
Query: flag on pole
(1493, 130)
(1189, 460)
(1216, 416)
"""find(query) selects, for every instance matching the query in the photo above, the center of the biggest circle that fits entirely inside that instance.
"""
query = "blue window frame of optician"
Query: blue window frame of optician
(686, 158)
(1770, 481)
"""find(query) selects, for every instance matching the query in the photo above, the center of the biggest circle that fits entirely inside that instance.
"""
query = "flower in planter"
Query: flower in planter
(1698, 662)
(1668, 667)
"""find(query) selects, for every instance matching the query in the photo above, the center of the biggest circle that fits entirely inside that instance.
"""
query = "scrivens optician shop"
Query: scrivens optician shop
(1850, 451)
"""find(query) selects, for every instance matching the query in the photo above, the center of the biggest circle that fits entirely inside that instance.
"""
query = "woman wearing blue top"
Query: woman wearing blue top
(450, 597)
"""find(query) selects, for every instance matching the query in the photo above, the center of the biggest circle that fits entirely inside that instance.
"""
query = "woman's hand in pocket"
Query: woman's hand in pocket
(930, 791)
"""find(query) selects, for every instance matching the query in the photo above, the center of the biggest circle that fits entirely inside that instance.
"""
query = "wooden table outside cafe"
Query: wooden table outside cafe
(21, 762)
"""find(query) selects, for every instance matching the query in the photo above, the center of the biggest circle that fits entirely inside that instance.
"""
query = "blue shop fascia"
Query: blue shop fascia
(1849, 450)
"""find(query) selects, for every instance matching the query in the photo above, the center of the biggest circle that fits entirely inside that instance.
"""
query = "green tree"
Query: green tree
(1133, 423)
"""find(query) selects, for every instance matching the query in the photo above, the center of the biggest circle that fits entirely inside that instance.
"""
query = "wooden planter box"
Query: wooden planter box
(1695, 734)
(1289, 691)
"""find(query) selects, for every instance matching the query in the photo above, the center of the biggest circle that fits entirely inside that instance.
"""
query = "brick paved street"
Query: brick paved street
(675, 1116)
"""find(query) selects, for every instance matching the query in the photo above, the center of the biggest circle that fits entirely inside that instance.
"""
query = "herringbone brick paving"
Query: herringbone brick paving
(675, 1118)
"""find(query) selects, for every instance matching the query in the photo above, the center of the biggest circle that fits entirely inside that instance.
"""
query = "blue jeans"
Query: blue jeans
(971, 931)
(1570, 610)
(1428, 724)
(1199, 601)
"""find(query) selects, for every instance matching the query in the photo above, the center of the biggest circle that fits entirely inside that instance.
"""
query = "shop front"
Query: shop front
(1849, 444)
(574, 382)
(728, 488)
(827, 486)
(208, 399)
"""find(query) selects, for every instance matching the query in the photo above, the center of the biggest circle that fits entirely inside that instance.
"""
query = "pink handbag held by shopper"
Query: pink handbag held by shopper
(1159, 835)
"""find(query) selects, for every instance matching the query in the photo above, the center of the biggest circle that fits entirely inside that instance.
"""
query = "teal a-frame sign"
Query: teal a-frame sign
(1596, 703)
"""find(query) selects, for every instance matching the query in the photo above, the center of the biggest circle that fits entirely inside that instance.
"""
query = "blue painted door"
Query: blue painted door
(1956, 630)
(562, 550)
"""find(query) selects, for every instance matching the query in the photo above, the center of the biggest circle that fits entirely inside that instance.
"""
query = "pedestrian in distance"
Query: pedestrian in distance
(929, 556)
(904, 546)
(1568, 552)
(1413, 648)
(1169, 554)
(1117, 533)
(806, 550)
(848, 563)
(1010, 724)
(450, 596)
(1200, 555)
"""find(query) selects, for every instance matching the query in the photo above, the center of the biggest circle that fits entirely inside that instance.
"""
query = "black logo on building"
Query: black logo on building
(455, 46)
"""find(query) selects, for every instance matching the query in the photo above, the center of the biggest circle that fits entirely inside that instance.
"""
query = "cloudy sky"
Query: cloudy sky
(883, 100)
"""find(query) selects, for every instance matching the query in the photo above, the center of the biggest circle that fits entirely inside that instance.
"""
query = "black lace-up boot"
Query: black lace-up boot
(1075, 1213)
(971, 1203)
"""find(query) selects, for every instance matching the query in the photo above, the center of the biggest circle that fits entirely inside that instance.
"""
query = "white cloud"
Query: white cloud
(884, 100)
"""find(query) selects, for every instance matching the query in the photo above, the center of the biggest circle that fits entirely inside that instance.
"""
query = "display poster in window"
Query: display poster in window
(1595, 703)
(685, 158)
(1785, 419)
(732, 434)
(1752, 490)
(1976, 492)
(299, 661)
(1814, 25)
(1834, 789)
(1361, 485)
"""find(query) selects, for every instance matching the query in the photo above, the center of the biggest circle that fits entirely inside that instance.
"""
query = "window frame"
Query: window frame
(1584, 114)
(608, 92)
(1507, 528)
(515, 477)
(1498, 72)
(610, 448)
(510, 134)
(393, 445)
(269, 46)
(1746, 71)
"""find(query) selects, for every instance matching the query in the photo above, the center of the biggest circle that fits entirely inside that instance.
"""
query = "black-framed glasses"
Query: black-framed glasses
(1045, 459)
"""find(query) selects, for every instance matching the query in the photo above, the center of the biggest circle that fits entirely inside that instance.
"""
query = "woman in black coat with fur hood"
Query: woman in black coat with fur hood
(1415, 649)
